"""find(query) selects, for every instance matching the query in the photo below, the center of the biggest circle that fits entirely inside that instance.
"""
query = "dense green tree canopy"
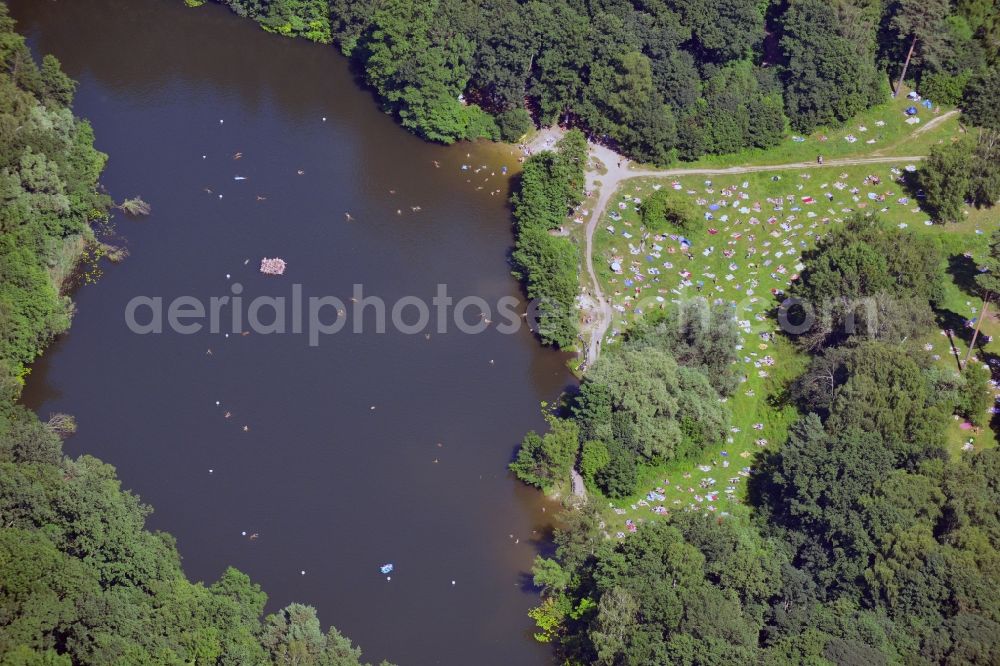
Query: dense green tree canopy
(657, 398)
(657, 78)
(982, 98)
(48, 172)
(640, 397)
(831, 75)
(854, 551)
(865, 279)
(921, 23)
(947, 179)
(961, 172)
(699, 335)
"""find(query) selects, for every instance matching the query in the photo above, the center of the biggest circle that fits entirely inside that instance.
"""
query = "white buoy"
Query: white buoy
(204, 157)
(220, 196)
(452, 582)
(221, 121)
(227, 276)
(387, 577)
(210, 471)
(324, 119)
(243, 533)
(217, 402)
(303, 572)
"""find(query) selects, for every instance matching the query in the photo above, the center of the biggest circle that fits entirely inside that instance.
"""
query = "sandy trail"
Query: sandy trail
(935, 122)
(579, 488)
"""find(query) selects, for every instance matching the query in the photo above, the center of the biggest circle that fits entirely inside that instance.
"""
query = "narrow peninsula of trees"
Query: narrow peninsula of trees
(551, 185)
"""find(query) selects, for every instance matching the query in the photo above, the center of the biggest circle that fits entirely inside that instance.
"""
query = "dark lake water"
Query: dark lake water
(330, 486)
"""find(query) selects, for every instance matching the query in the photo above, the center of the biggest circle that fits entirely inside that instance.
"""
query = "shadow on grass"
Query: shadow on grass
(993, 361)
(782, 397)
(964, 271)
(762, 493)
(954, 325)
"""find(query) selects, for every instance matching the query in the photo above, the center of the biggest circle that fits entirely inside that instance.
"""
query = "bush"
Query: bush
(973, 394)
(944, 88)
(545, 461)
(959, 172)
(621, 475)
(480, 125)
(982, 99)
(514, 124)
(594, 457)
(946, 177)
(660, 213)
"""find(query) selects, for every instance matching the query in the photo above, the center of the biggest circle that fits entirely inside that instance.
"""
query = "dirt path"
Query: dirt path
(935, 122)
(545, 139)
(618, 171)
(579, 489)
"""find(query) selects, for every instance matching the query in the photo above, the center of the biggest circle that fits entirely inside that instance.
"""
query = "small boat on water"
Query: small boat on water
(386, 568)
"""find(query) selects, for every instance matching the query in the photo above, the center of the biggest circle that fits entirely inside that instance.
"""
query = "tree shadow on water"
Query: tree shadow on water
(526, 583)
(542, 543)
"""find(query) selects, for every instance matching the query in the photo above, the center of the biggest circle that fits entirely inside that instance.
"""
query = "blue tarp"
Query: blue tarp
(912, 111)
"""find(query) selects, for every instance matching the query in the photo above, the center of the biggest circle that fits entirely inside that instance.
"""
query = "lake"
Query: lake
(336, 458)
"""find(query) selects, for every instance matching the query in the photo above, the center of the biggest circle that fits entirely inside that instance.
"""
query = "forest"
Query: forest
(83, 581)
(657, 79)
